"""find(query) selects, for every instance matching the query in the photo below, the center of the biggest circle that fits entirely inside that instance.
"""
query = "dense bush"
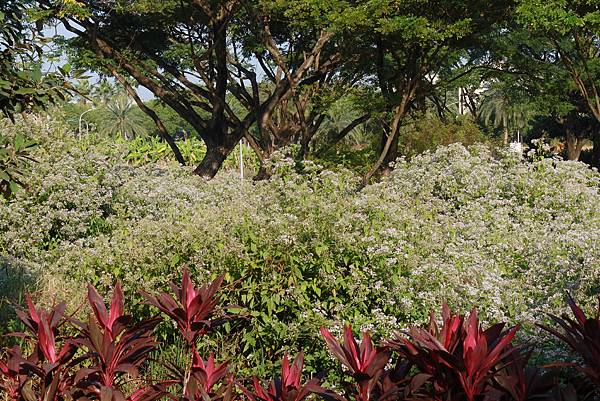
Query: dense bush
(307, 249)
(426, 132)
(106, 357)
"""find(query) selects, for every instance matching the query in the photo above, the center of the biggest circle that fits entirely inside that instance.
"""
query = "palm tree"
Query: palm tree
(504, 112)
(104, 91)
(122, 119)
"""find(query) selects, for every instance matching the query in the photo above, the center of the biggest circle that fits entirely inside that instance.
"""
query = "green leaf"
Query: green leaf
(14, 187)
(65, 69)
(25, 91)
(36, 75)
(19, 141)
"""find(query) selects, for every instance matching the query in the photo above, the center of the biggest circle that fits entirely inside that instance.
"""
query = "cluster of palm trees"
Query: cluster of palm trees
(118, 110)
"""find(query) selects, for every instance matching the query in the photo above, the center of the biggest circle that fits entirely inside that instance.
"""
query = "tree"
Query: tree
(506, 110)
(122, 117)
(195, 56)
(403, 45)
(104, 91)
(570, 32)
(572, 29)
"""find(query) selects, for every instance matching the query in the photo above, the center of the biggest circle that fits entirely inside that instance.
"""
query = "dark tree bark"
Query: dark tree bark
(212, 161)
(595, 159)
(390, 156)
(574, 145)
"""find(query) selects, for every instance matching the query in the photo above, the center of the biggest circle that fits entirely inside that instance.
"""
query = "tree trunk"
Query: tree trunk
(220, 142)
(390, 156)
(595, 159)
(505, 135)
(263, 174)
(399, 113)
(574, 145)
(213, 160)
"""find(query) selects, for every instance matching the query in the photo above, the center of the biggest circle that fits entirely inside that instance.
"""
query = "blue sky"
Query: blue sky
(144, 93)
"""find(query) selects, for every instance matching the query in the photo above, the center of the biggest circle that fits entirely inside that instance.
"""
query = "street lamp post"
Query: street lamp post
(80, 120)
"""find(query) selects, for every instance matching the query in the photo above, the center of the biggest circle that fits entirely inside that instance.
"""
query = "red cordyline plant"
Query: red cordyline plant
(115, 351)
(203, 381)
(288, 387)
(519, 382)
(366, 365)
(582, 335)
(11, 380)
(45, 374)
(461, 358)
(191, 308)
(89, 364)
(43, 328)
(206, 373)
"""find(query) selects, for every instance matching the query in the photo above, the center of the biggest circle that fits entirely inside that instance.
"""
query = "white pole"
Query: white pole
(241, 160)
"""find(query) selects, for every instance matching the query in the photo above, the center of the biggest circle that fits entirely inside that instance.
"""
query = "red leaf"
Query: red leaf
(97, 304)
(32, 311)
(335, 347)
(46, 339)
(579, 315)
(116, 307)
(350, 349)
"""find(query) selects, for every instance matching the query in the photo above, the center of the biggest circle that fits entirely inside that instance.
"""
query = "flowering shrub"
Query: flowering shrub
(306, 249)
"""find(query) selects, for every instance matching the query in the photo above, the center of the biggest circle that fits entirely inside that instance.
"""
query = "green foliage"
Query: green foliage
(15, 280)
(428, 132)
(144, 150)
(569, 32)
(306, 249)
(15, 154)
(151, 149)
(559, 16)
(23, 85)
(123, 121)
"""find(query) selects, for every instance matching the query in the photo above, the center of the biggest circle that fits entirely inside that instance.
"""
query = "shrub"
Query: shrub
(104, 359)
(305, 250)
(428, 132)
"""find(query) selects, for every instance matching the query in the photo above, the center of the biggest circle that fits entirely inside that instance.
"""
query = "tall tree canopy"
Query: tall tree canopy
(270, 70)
(403, 45)
(265, 69)
(566, 37)
(208, 60)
